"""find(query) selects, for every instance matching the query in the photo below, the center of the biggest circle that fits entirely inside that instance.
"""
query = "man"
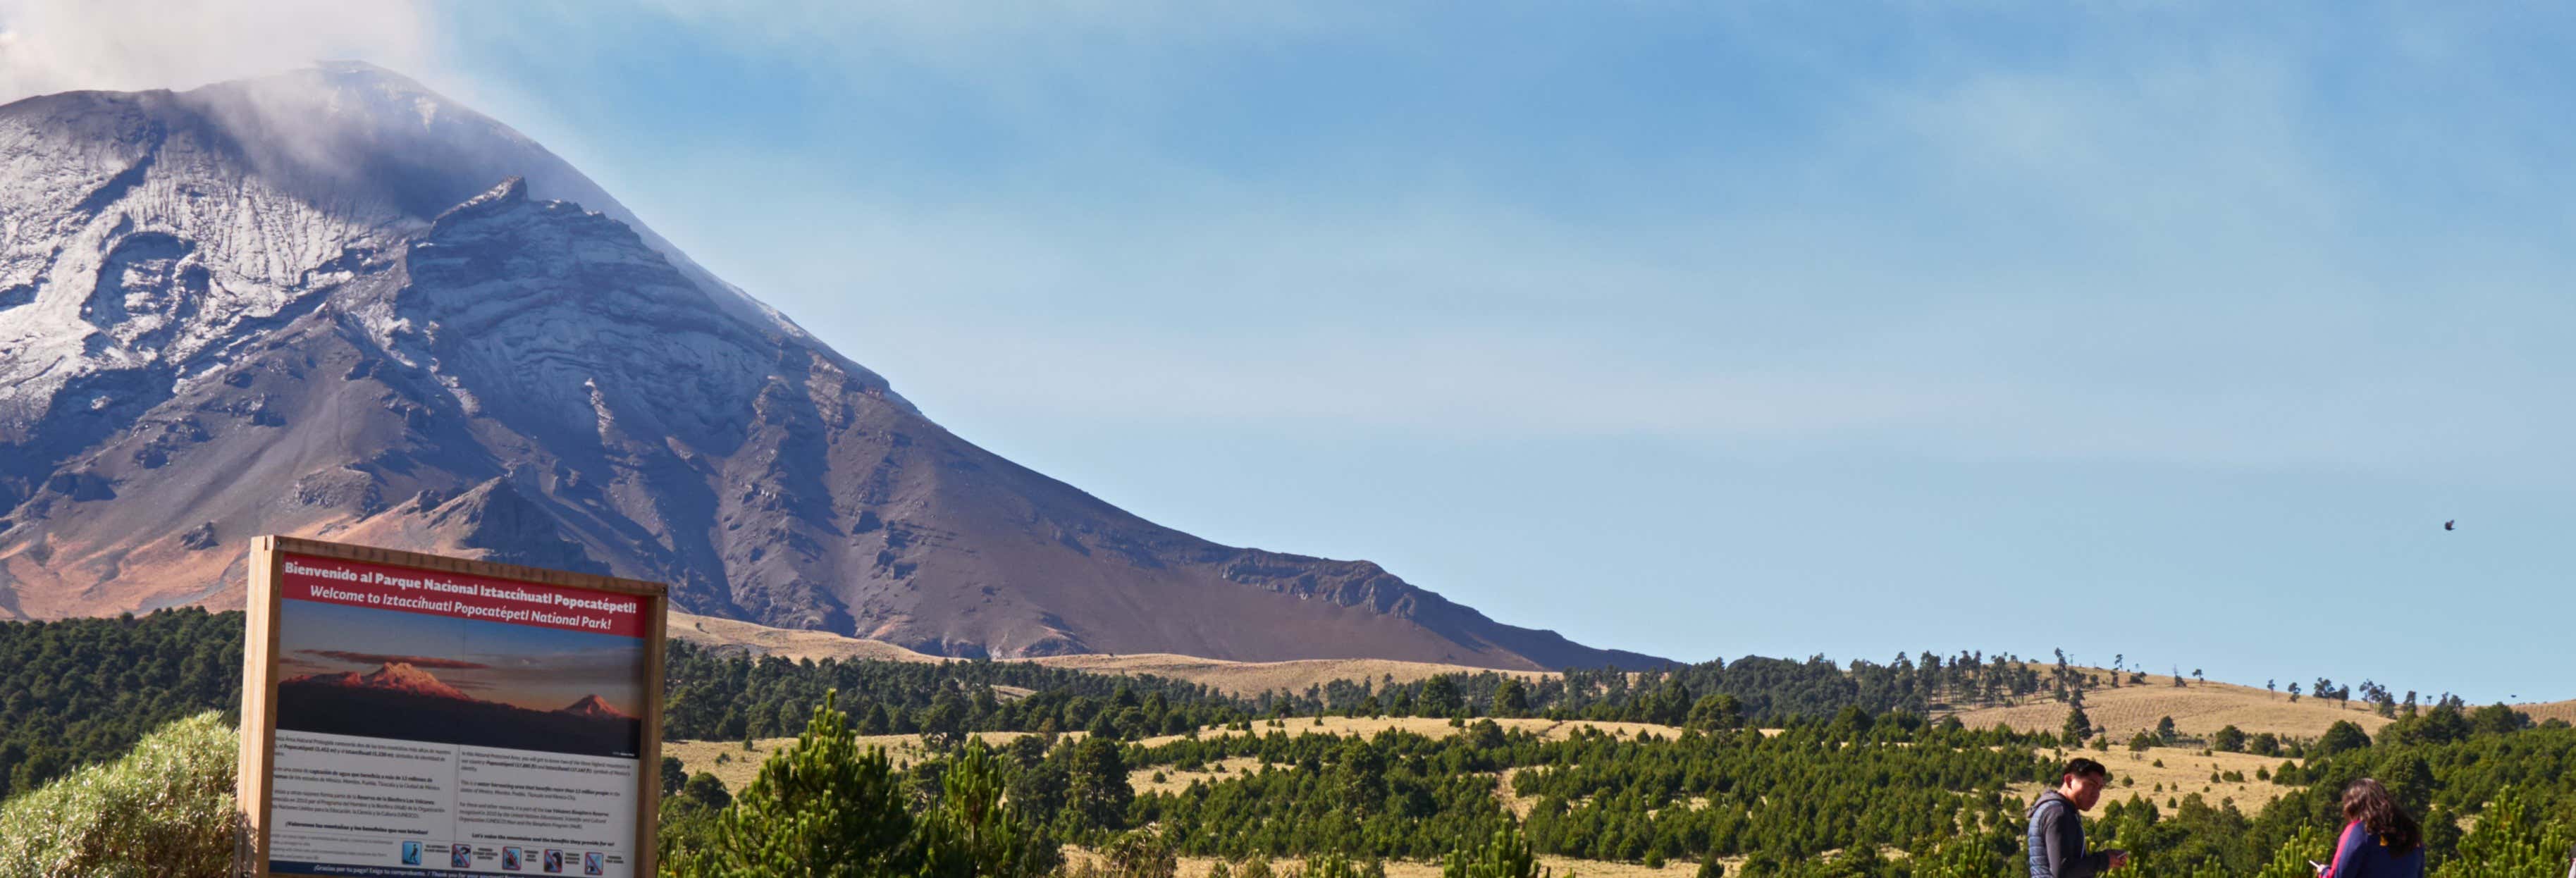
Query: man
(2057, 832)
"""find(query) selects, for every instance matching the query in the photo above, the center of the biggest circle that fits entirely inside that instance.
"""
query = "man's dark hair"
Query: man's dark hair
(2080, 767)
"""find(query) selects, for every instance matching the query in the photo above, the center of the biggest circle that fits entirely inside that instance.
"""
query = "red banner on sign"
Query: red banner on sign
(440, 593)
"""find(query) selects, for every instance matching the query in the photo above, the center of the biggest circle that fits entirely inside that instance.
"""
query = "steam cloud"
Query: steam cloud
(49, 46)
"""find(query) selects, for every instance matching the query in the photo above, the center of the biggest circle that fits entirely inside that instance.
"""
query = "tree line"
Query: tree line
(81, 691)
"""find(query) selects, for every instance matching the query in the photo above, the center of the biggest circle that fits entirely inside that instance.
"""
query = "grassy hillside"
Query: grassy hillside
(2565, 710)
(1229, 677)
(1250, 678)
(2163, 775)
(2198, 710)
(734, 764)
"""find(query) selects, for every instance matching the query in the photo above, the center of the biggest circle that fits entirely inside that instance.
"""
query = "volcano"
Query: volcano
(590, 706)
(391, 677)
(335, 304)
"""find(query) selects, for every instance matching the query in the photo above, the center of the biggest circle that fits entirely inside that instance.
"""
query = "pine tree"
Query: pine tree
(973, 833)
(1100, 792)
(1508, 855)
(2509, 842)
(2291, 860)
(1511, 699)
(820, 807)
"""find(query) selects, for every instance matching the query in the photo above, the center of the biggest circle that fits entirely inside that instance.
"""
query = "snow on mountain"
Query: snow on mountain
(333, 304)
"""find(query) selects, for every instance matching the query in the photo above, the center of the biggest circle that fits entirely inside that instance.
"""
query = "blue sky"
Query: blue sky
(2165, 330)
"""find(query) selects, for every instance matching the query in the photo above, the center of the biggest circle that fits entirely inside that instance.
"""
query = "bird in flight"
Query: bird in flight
(2453, 524)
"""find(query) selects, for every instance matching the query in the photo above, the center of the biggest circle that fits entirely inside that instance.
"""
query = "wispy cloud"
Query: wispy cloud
(58, 45)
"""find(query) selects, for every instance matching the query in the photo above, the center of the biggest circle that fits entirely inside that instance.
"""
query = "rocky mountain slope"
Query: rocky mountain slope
(334, 304)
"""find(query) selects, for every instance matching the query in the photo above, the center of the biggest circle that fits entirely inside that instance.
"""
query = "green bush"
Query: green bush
(826, 807)
(2509, 842)
(1508, 855)
(165, 809)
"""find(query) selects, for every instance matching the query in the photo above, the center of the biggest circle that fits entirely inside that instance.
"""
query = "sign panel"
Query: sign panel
(409, 715)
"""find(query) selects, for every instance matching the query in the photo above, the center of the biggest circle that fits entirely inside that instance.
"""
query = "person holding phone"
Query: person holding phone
(2379, 840)
(2057, 829)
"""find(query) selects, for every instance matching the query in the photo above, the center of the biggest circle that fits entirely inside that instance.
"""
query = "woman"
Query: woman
(2378, 841)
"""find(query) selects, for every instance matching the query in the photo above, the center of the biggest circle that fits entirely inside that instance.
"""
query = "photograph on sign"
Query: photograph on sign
(389, 674)
(432, 722)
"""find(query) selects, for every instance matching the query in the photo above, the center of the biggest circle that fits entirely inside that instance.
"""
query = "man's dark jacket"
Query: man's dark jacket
(2057, 841)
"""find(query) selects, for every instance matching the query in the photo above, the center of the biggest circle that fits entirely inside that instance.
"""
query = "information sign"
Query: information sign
(409, 715)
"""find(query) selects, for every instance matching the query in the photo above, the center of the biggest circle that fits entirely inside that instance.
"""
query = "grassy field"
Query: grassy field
(1197, 867)
(1554, 730)
(2565, 710)
(2198, 709)
(1230, 677)
(787, 643)
(730, 762)
(736, 766)
(2137, 776)
(1252, 678)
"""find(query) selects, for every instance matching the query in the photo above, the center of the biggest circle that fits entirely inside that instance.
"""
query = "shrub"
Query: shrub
(824, 806)
(1141, 853)
(2508, 841)
(166, 809)
(1508, 855)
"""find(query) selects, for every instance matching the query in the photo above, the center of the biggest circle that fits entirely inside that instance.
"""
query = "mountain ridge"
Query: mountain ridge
(213, 327)
(391, 677)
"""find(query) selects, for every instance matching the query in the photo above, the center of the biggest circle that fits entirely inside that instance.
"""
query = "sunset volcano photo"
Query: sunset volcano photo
(480, 683)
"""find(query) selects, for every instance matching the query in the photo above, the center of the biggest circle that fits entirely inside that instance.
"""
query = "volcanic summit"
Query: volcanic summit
(332, 303)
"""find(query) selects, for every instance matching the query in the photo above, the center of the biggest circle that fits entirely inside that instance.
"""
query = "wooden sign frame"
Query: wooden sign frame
(260, 678)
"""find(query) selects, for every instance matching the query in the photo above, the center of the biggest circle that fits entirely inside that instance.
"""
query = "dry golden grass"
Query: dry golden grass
(1175, 780)
(1555, 730)
(1513, 802)
(1253, 678)
(1230, 677)
(2185, 771)
(1197, 867)
(791, 644)
(2565, 710)
(2198, 709)
(729, 762)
